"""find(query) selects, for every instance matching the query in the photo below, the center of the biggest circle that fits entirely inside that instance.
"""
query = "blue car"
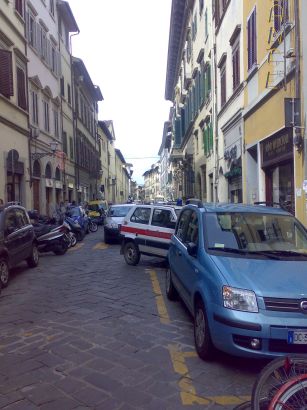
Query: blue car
(242, 272)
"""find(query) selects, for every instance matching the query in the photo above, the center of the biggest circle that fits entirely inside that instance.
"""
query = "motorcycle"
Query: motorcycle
(76, 232)
(50, 236)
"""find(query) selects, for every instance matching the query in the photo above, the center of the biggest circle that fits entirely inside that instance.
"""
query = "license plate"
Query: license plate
(297, 337)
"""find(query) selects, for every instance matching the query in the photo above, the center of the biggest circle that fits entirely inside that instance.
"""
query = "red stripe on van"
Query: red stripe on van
(145, 232)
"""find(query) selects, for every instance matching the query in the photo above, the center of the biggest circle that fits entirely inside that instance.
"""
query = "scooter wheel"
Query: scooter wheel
(93, 227)
(73, 240)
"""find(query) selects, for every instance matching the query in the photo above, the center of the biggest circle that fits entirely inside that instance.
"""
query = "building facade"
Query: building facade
(14, 119)
(273, 167)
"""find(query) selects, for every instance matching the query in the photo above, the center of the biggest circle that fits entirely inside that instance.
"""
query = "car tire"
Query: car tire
(202, 337)
(33, 259)
(131, 253)
(4, 272)
(171, 291)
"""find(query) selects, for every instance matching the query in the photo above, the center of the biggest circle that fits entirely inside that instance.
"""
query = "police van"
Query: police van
(147, 230)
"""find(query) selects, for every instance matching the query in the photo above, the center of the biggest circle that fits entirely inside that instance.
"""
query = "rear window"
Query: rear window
(119, 211)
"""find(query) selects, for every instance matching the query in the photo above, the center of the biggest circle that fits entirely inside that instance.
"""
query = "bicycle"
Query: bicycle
(282, 384)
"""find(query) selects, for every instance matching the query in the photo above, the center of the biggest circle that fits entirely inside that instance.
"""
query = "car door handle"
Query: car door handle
(179, 253)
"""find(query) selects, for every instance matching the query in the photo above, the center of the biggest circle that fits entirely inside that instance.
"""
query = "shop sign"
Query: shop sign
(58, 184)
(276, 148)
(49, 183)
(70, 185)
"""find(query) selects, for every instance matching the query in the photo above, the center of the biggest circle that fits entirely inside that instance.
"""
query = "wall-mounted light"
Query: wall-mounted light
(38, 155)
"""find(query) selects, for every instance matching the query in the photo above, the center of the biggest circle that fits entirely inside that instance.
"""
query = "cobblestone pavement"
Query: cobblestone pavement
(87, 331)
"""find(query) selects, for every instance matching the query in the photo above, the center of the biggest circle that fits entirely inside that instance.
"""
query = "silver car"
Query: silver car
(113, 221)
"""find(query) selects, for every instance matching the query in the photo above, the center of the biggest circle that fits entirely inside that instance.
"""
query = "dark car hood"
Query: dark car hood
(265, 277)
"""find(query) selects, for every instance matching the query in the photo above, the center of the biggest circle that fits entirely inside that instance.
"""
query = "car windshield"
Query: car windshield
(119, 211)
(254, 233)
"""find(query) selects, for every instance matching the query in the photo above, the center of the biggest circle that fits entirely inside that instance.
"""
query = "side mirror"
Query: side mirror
(192, 249)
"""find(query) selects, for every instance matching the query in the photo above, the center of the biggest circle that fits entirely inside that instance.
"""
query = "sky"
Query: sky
(124, 45)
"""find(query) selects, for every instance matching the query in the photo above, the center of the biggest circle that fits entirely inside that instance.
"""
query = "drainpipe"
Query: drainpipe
(214, 114)
(74, 114)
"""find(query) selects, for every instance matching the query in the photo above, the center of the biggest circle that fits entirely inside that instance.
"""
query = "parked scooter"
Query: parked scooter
(50, 237)
(76, 231)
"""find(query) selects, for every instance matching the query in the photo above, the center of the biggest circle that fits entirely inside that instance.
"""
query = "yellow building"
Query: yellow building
(273, 160)
(14, 126)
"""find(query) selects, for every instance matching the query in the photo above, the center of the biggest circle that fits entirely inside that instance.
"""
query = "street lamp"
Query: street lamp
(38, 155)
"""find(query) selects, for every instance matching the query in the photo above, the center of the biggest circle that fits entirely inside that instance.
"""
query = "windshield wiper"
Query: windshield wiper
(284, 253)
(245, 252)
(225, 249)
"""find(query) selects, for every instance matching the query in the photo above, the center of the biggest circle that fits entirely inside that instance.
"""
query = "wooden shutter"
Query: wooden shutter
(209, 78)
(205, 137)
(254, 38)
(177, 131)
(19, 7)
(210, 136)
(6, 73)
(21, 88)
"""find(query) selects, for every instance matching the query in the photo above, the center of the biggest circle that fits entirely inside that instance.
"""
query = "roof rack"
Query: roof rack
(194, 201)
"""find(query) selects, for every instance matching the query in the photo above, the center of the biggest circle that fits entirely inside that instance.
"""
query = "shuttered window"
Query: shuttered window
(208, 138)
(236, 65)
(21, 89)
(71, 146)
(252, 40)
(223, 84)
(34, 107)
(64, 136)
(281, 14)
(19, 7)
(6, 74)
(46, 116)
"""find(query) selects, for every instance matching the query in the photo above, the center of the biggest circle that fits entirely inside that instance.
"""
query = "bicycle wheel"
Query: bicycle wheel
(292, 395)
(273, 376)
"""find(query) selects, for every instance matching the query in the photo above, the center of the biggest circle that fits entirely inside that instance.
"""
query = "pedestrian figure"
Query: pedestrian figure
(179, 202)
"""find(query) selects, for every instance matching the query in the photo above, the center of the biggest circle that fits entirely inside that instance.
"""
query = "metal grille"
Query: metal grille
(282, 305)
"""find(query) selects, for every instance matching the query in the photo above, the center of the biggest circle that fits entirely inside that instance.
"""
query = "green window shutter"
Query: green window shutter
(205, 140)
(203, 84)
(177, 132)
(209, 77)
(210, 131)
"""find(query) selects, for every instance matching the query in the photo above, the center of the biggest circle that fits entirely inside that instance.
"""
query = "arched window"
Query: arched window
(48, 173)
(36, 169)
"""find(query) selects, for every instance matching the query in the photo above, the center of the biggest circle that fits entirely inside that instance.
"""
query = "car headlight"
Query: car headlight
(240, 299)
(112, 225)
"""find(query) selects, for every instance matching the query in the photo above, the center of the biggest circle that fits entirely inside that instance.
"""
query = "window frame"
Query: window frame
(252, 39)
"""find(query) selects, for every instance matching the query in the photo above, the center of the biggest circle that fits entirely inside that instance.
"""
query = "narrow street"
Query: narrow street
(87, 331)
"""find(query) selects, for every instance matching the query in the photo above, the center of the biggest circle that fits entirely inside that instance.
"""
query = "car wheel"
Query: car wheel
(131, 253)
(4, 272)
(93, 227)
(202, 338)
(106, 238)
(171, 291)
(32, 261)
